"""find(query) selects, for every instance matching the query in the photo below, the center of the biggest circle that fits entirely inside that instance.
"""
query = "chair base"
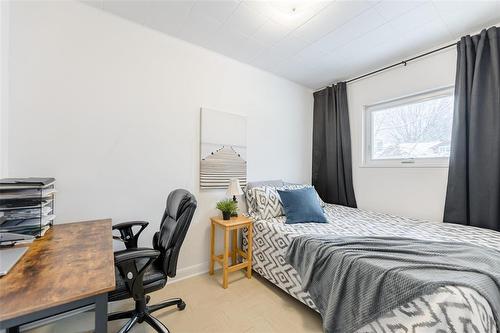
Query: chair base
(142, 313)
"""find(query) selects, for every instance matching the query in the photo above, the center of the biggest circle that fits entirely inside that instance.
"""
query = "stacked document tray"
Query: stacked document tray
(27, 205)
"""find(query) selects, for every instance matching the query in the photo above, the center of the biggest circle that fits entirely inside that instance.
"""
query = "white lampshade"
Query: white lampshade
(234, 187)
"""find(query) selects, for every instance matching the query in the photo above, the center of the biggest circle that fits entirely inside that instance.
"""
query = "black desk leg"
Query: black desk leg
(101, 313)
(14, 329)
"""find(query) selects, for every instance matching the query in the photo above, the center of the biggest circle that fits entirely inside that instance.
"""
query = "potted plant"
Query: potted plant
(227, 207)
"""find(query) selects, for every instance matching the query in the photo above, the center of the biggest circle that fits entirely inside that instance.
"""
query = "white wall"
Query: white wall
(4, 83)
(413, 192)
(111, 109)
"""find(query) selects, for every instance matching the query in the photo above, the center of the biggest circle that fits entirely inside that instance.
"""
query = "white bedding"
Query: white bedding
(449, 309)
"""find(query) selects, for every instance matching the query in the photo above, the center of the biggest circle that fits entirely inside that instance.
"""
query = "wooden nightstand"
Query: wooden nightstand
(234, 224)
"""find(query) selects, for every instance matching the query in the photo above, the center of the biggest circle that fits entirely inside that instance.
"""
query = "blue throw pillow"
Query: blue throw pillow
(302, 206)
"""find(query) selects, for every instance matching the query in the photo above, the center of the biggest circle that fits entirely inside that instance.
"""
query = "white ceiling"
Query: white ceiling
(318, 43)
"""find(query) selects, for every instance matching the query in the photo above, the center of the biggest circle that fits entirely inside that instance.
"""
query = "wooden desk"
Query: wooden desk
(71, 266)
(234, 224)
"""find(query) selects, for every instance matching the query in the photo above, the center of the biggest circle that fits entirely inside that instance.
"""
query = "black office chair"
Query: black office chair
(140, 271)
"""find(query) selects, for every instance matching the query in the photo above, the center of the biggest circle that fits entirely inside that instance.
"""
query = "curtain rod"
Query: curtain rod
(404, 62)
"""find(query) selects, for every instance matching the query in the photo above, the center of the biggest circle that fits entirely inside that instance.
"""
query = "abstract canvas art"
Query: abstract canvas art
(223, 149)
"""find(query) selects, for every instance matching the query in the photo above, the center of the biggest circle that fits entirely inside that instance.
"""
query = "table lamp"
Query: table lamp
(234, 189)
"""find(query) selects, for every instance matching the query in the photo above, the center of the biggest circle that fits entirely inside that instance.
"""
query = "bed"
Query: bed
(448, 309)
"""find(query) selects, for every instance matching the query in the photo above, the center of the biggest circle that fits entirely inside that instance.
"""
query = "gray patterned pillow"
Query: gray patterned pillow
(265, 203)
(250, 199)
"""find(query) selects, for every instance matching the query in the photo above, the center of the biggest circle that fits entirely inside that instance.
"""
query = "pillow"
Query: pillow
(290, 186)
(250, 197)
(302, 206)
(270, 183)
(264, 202)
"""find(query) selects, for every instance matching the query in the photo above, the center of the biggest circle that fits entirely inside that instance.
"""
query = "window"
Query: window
(409, 131)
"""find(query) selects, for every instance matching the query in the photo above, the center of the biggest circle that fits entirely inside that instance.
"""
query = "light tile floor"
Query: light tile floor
(249, 306)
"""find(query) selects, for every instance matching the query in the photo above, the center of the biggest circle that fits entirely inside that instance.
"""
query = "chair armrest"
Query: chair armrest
(135, 254)
(132, 271)
(129, 224)
(127, 235)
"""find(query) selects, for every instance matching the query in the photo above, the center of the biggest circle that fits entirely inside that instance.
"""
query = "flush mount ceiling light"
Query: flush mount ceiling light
(285, 10)
(290, 13)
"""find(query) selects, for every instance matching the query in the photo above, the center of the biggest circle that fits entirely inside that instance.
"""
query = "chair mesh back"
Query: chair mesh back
(173, 228)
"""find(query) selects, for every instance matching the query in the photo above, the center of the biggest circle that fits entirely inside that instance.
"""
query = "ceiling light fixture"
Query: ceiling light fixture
(290, 13)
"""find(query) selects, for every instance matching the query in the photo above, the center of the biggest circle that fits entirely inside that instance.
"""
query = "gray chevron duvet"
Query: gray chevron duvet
(448, 309)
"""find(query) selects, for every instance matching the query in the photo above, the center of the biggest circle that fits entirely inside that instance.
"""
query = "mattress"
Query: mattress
(448, 309)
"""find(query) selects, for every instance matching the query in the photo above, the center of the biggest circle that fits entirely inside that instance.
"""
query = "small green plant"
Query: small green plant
(227, 207)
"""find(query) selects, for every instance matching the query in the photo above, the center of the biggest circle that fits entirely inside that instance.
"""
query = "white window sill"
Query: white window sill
(404, 166)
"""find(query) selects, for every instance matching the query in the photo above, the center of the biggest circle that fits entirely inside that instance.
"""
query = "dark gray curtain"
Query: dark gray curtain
(331, 164)
(473, 194)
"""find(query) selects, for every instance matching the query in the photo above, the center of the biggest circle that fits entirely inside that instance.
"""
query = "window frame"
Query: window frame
(368, 162)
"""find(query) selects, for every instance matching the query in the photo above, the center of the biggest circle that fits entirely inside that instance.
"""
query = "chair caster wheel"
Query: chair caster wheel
(181, 306)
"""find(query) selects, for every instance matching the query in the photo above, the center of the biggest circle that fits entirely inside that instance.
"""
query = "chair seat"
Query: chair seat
(154, 279)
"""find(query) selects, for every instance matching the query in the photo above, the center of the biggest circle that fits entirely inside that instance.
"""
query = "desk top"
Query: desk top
(239, 220)
(70, 262)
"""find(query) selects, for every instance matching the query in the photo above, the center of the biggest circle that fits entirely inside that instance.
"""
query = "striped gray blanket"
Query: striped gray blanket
(354, 280)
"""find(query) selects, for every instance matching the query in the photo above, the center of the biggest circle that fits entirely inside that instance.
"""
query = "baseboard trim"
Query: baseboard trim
(189, 272)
